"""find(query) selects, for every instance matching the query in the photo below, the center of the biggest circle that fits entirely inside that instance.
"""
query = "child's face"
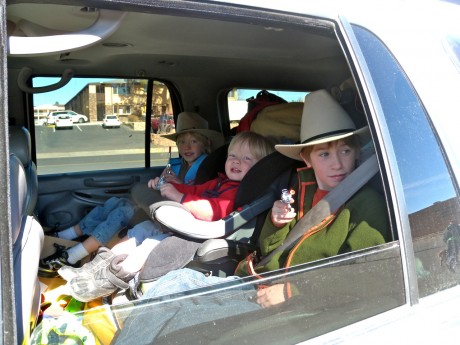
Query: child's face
(239, 161)
(190, 148)
(332, 162)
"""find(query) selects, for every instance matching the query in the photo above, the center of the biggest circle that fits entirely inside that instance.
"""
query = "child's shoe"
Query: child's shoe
(49, 266)
(87, 287)
(102, 259)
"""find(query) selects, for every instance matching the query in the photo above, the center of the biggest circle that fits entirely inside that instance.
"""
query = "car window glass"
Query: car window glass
(429, 192)
(355, 285)
(89, 145)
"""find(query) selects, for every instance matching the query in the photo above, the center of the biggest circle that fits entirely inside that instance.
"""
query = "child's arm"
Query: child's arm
(210, 209)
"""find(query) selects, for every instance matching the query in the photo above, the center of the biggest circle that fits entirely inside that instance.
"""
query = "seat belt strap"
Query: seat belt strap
(327, 205)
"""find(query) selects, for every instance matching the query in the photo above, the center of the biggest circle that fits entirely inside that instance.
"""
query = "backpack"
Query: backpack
(262, 100)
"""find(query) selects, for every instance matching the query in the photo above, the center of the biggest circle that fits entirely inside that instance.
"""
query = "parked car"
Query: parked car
(167, 126)
(75, 116)
(392, 65)
(111, 121)
(63, 121)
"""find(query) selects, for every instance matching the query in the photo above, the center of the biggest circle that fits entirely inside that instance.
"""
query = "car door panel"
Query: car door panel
(63, 200)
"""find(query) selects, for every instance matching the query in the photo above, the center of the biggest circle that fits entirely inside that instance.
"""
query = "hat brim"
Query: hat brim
(293, 151)
(217, 139)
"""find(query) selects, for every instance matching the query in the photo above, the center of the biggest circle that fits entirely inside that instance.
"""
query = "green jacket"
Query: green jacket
(362, 222)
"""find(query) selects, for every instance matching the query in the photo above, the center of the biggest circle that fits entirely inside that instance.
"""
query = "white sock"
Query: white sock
(76, 253)
(68, 234)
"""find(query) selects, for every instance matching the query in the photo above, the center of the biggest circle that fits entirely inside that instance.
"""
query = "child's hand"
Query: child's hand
(282, 213)
(172, 179)
(153, 183)
(271, 295)
(170, 192)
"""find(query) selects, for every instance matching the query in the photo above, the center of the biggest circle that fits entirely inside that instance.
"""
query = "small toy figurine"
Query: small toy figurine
(286, 196)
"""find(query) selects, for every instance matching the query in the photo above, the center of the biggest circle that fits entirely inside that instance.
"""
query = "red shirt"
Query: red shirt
(212, 200)
(319, 194)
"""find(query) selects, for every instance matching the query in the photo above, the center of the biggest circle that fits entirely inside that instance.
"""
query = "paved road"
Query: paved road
(91, 147)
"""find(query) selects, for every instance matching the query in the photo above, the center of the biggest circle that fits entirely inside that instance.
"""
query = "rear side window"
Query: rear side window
(90, 146)
(429, 192)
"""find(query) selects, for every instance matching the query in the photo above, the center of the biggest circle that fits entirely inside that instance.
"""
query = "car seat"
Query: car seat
(27, 238)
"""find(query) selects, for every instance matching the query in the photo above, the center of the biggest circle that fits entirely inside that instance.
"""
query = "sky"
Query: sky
(64, 94)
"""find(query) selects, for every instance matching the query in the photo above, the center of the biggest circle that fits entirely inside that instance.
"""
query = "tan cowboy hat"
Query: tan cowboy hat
(323, 120)
(192, 122)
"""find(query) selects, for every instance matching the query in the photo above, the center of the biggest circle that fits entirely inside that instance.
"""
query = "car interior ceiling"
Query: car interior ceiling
(166, 46)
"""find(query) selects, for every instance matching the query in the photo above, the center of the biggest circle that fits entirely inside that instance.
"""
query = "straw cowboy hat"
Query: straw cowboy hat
(323, 120)
(192, 122)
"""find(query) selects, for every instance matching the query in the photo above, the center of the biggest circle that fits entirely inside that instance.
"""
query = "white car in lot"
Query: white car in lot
(74, 116)
(392, 65)
(63, 121)
(111, 121)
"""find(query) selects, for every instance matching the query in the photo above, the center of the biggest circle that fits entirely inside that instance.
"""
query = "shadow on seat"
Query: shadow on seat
(27, 239)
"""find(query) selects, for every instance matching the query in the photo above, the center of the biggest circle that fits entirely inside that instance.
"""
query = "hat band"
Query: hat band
(328, 134)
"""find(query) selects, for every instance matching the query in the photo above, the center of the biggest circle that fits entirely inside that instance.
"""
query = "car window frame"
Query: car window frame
(385, 154)
(176, 104)
(7, 308)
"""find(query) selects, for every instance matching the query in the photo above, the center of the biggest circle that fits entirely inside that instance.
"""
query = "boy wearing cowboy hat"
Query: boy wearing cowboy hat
(329, 146)
(194, 142)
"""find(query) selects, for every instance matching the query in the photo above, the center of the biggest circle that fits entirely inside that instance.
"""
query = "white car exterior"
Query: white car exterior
(75, 116)
(111, 121)
(63, 121)
(404, 58)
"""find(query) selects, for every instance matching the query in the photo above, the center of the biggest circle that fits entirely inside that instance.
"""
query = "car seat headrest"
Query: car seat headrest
(20, 144)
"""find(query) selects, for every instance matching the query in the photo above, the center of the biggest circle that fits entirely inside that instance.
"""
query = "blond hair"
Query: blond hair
(257, 144)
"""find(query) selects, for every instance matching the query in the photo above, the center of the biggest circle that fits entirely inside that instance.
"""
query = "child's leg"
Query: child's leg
(135, 260)
(125, 246)
(100, 214)
(115, 221)
(144, 230)
(87, 284)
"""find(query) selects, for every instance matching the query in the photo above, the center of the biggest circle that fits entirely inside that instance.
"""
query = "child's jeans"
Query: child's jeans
(147, 229)
(103, 222)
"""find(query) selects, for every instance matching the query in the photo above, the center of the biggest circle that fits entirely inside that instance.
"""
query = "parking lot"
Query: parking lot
(89, 147)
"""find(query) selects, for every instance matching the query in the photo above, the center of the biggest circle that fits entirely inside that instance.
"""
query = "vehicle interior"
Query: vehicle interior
(181, 56)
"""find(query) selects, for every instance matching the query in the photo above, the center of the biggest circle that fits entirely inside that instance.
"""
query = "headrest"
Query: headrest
(20, 144)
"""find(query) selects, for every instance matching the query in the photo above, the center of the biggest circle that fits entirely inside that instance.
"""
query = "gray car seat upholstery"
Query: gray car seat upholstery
(20, 145)
(27, 238)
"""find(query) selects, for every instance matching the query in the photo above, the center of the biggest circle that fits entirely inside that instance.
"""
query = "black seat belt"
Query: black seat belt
(327, 205)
